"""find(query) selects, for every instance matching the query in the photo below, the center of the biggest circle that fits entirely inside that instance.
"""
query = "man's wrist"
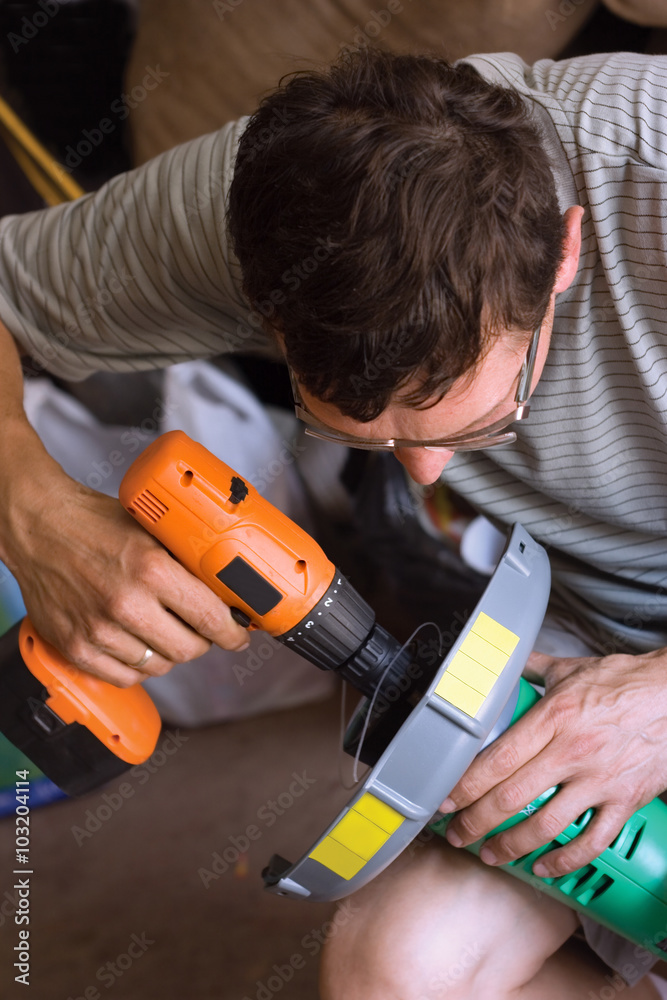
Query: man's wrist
(30, 479)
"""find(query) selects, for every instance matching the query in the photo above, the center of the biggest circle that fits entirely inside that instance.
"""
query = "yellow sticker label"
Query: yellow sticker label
(337, 858)
(472, 673)
(484, 652)
(358, 836)
(459, 694)
(495, 633)
(386, 817)
(476, 666)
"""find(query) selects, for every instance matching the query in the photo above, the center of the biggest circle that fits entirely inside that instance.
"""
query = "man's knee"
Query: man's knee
(407, 935)
(438, 923)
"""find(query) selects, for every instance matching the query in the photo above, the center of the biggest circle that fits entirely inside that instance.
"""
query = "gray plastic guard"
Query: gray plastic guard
(470, 701)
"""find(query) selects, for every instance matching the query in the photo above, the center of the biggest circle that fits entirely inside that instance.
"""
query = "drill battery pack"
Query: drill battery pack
(79, 730)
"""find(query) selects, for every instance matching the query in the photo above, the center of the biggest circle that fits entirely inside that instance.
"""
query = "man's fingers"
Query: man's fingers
(159, 633)
(550, 670)
(514, 748)
(103, 592)
(192, 601)
(537, 829)
(543, 827)
(110, 669)
(601, 831)
(118, 657)
(123, 667)
(538, 663)
(508, 799)
(536, 667)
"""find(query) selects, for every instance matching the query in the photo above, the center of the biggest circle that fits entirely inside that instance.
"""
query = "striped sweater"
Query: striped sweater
(141, 274)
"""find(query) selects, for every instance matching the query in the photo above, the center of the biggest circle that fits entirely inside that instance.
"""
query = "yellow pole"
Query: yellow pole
(44, 172)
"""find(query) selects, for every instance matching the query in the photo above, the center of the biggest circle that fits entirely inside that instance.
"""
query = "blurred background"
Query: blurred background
(151, 887)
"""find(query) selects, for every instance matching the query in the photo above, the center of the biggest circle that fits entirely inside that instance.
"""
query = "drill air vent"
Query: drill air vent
(586, 884)
(629, 838)
(149, 505)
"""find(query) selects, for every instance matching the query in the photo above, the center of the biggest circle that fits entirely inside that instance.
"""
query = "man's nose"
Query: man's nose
(422, 465)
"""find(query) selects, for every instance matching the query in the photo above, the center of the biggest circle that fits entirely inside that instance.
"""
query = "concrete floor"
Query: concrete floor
(124, 912)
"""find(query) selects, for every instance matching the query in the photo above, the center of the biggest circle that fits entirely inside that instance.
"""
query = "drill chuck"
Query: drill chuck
(379, 661)
(339, 633)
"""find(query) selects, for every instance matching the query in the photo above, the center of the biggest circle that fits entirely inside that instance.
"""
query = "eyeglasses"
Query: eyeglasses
(491, 436)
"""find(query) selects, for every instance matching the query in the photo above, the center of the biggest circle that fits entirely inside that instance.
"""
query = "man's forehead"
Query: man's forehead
(466, 405)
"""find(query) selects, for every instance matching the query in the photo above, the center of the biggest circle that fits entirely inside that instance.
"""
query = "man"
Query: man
(436, 186)
(425, 245)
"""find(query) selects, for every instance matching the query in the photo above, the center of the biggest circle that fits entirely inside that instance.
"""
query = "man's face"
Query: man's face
(471, 404)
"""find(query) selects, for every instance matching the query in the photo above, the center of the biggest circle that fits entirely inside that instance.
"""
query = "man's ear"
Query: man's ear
(275, 333)
(571, 248)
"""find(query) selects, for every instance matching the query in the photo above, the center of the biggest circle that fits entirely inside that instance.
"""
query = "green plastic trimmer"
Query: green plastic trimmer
(625, 887)
(419, 751)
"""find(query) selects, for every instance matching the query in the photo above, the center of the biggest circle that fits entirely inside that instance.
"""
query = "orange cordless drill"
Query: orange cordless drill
(82, 731)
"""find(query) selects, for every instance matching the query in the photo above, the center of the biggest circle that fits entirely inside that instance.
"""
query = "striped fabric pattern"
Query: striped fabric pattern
(141, 275)
(588, 475)
(135, 276)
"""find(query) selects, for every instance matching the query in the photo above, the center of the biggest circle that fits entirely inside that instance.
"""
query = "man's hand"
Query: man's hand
(600, 733)
(102, 590)
(96, 585)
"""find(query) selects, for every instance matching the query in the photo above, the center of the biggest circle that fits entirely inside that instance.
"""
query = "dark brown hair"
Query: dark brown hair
(377, 208)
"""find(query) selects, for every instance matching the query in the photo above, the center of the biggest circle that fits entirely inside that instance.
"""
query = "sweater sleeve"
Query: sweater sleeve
(137, 275)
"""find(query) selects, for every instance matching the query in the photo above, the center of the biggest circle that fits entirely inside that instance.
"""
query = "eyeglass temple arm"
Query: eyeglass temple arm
(523, 389)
